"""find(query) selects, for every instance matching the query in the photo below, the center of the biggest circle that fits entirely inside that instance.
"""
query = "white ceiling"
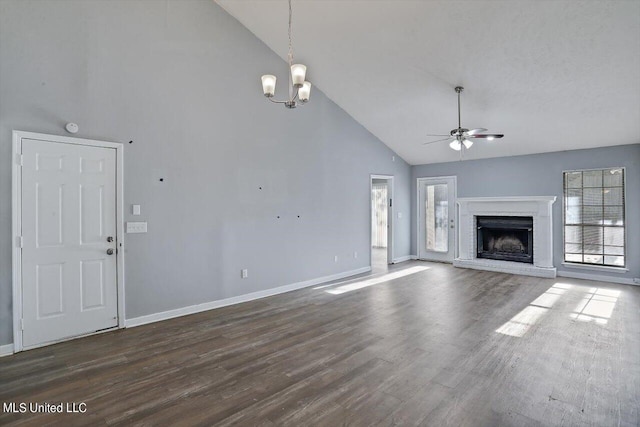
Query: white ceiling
(551, 76)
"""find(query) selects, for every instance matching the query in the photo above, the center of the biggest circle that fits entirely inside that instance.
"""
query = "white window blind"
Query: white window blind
(594, 217)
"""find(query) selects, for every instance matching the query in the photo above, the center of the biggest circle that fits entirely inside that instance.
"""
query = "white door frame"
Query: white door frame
(389, 179)
(455, 214)
(16, 231)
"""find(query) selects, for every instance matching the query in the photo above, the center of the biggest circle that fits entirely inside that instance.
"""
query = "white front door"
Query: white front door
(436, 218)
(69, 285)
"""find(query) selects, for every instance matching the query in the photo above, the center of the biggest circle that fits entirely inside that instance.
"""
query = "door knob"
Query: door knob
(109, 239)
(109, 251)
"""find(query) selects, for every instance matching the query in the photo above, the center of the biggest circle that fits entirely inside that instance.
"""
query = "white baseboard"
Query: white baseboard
(597, 277)
(6, 349)
(184, 311)
(415, 257)
(402, 259)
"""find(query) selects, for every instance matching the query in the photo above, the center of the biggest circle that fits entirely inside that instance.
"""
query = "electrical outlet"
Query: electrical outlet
(244, 273)
(355, 254)
(335, 258)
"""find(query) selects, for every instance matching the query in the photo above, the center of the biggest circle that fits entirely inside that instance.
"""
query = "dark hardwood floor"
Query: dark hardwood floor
(433, 346)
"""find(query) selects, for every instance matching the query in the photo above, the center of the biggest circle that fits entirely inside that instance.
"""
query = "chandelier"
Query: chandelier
(299, 89)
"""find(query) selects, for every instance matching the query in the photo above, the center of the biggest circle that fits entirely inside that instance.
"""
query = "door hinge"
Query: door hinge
(22, 324)
(19, 159)
(390, 202)
(19, 241)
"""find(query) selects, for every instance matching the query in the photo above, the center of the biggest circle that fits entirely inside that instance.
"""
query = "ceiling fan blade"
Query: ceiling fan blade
(476, 130)
(437, 134)
(433, 142)
(487, 136)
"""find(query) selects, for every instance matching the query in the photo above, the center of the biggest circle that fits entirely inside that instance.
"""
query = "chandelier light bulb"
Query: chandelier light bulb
(298, 73)
(304, 92)
(467, 143)
(490, 138)
(455, 145)
(269, 85)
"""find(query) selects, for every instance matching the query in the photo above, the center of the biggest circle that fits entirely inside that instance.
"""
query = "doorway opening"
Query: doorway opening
(381, 222)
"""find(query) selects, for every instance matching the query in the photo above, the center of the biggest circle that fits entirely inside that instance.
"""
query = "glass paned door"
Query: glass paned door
(436, 222)
(437, 217)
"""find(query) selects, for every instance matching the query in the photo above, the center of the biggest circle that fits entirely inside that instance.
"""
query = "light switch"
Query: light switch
(136, 210)
(136, 227)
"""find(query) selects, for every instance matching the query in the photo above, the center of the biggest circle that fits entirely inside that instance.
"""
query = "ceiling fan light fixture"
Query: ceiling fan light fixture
(462, 136)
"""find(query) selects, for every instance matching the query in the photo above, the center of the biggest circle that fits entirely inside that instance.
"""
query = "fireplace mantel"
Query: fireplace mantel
(537, 207)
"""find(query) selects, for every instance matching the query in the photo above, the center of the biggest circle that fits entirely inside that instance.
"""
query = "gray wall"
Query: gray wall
(182, 80)
(541, 175)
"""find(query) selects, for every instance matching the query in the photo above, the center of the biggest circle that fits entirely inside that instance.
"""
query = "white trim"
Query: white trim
(390, 216)
(184, 311)
(16, 230)
(455, 215)
(509, 199)
(402, 259)
(597, 277)
(66, 139)
(414, 257)
(6, 350)
(16, 212)
(595, 267)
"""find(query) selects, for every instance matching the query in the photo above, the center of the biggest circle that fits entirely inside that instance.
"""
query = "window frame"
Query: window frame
(583, 264)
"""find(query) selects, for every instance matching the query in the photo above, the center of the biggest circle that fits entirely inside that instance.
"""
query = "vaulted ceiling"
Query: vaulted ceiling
(552, 76)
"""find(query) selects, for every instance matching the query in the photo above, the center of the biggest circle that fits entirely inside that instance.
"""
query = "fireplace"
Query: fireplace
(537, 212)
(505, 238)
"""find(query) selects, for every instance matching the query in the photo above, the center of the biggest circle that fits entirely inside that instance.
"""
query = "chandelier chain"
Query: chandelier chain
(290, 46)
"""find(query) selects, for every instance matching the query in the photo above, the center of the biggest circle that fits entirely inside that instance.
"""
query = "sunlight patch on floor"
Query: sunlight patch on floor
(519, 324)
(374, 281)
(596, 306)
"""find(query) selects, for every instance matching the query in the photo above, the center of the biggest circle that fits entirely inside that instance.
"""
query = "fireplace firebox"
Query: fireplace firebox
(506, 238)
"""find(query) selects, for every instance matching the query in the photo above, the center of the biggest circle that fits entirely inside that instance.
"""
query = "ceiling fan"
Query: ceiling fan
(461, 137)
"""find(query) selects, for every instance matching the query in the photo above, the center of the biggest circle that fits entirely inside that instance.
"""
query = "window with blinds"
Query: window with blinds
(594, 217)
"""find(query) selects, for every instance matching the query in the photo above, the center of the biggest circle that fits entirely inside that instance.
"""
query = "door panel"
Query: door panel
(436, 218)
(69, 283)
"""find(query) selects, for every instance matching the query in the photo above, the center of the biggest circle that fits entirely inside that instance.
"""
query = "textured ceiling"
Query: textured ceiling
(551, 76)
